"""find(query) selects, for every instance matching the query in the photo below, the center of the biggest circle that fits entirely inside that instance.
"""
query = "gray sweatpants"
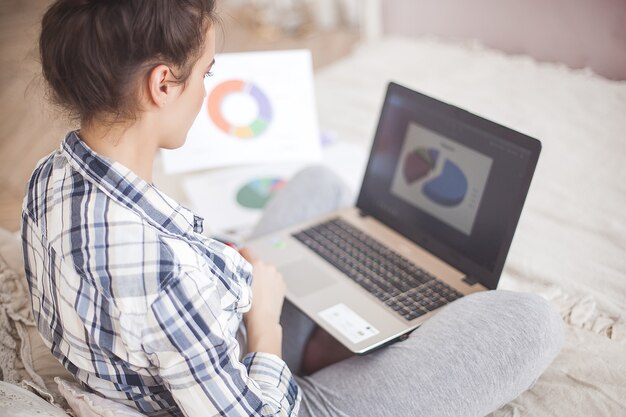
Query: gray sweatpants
(475, 355)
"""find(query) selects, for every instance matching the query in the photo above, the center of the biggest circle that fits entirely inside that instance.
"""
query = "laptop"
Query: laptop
(438, 206)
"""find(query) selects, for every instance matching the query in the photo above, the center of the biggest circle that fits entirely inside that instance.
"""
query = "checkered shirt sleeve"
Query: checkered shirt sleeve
(183, 337)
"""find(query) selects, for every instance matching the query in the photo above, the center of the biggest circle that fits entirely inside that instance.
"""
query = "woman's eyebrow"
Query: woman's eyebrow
(212, 63)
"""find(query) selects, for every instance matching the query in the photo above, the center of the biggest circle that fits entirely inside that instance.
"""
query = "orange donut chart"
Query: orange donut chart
(221, 91)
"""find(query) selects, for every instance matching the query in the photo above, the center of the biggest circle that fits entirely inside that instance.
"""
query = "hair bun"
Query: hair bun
(91, 69)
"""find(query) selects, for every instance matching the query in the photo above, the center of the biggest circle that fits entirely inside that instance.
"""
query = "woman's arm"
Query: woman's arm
(262, 321)
(187, 340)
(265, 337)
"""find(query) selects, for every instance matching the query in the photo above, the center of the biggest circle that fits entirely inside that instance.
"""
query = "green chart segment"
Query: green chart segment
(256, 193)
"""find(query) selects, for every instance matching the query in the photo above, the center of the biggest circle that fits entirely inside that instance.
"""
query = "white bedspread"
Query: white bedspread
(570, 244)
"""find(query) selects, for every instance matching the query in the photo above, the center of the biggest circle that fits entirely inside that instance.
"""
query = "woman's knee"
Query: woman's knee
(509, 338)
(312, 192)
(534, 315)
(522, 312)
(320, 179)
(527, 326)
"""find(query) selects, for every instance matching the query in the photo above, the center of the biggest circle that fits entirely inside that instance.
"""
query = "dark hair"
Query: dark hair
(93, 52)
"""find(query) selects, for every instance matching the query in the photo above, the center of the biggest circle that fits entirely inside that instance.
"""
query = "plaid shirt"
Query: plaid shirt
(134, 301)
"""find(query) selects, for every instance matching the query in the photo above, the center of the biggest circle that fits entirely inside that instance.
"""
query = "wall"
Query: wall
(578, 33)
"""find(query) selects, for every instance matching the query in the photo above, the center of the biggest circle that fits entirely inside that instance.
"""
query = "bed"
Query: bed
(570, 245)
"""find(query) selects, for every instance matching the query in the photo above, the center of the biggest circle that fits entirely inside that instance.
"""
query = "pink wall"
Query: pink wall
(578, 33)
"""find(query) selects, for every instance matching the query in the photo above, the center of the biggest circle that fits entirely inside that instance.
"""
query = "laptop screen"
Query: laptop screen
(452, 182)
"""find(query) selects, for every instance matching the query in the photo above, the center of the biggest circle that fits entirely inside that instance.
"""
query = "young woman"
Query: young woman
(143, 309)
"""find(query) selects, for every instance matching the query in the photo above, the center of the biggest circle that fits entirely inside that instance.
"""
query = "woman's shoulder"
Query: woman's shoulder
(38, 186)
(110, 245)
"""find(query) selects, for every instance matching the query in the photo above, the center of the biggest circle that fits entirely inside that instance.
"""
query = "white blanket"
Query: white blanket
(570, 245)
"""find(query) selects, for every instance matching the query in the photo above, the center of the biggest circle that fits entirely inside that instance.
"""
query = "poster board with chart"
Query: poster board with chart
(259, 108)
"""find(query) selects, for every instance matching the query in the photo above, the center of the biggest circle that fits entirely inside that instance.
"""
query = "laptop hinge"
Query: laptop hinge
(470, 280)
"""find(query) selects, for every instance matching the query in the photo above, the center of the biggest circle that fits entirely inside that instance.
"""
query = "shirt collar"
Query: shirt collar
(126, 187)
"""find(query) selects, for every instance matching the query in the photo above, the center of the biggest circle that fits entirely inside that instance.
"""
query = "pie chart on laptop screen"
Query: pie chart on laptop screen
(446, 188)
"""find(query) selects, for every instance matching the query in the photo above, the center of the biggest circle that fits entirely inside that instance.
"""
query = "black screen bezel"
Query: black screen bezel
(446, 113)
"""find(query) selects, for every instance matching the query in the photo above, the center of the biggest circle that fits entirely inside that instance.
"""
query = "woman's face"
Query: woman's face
(181, 111)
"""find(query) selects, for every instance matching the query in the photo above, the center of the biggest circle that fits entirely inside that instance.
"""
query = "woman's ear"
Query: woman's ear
(159, 87)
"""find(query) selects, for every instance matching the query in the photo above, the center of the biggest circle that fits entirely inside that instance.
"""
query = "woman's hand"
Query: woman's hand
(268, 292)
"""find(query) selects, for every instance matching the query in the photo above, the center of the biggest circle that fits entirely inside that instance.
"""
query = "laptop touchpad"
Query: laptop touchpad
(304, 278)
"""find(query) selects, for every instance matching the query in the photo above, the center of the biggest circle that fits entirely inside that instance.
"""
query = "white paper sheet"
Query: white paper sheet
(231, 199)
(260, 107)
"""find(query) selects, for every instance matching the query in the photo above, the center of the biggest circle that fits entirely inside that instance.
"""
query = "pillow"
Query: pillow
(87, 404)
(18, 402)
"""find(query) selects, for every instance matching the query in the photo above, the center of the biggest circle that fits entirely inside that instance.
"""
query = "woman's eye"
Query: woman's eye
(208, 74)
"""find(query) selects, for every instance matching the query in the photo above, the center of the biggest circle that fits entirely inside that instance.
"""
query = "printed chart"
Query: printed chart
(441, 177)
(259, 108)
(256, 193)
(233, 198)
(227, 89)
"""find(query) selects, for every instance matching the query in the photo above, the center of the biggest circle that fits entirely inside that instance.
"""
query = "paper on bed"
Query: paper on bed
(260, 107)
(231, 200)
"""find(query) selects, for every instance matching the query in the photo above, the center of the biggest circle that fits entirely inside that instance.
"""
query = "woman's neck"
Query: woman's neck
(134, 145)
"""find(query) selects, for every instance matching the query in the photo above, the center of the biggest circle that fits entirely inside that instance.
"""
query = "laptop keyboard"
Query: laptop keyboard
(400, 284)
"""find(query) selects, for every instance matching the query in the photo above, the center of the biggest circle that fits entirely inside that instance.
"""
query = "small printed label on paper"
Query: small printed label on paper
(348, 323)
